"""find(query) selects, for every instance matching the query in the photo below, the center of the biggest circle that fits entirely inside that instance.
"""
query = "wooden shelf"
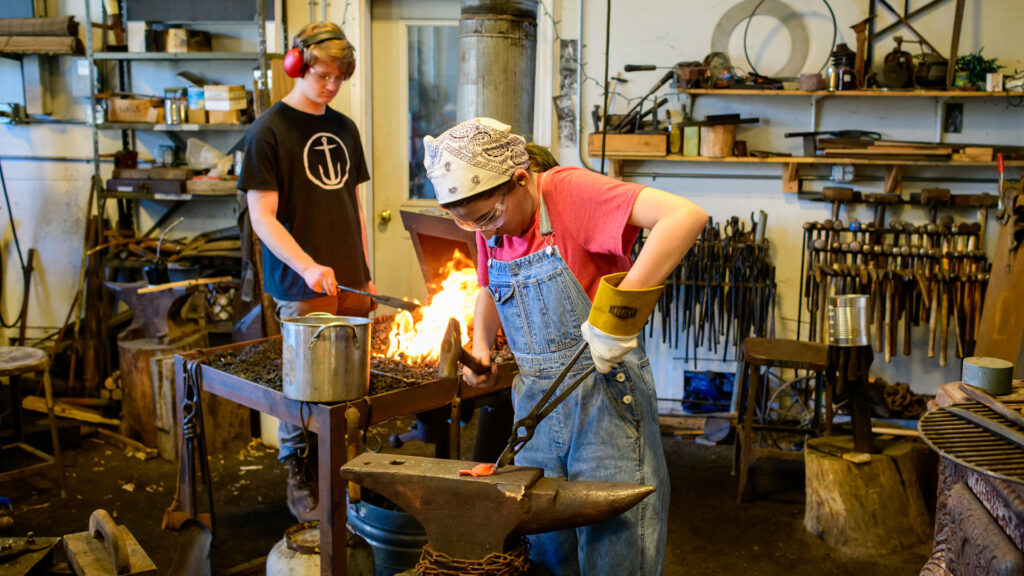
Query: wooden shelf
(171, 56)
(805, 160)
(791, 166)
(173, 127)
(851, 93)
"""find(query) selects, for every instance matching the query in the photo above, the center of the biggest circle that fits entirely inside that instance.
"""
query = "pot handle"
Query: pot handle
(318, 315)
(316, 336)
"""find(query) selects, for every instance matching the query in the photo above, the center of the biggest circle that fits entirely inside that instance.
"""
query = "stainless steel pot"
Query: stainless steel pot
(325, 358)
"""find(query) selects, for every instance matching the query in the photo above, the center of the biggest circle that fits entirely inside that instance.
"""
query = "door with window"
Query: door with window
(415, 50)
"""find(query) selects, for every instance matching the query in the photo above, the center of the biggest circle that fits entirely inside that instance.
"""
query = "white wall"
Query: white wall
(48, 198)
(664, 32)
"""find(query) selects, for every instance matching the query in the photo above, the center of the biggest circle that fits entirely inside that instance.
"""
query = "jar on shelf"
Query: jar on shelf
(175, 105)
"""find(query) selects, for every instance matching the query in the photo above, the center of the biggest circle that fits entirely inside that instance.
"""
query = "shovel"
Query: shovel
(385, 300)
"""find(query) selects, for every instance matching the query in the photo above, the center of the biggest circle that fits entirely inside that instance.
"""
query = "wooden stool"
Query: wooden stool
(15, 361)
(775, 353)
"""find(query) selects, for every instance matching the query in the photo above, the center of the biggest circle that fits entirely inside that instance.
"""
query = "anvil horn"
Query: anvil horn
(471, 517)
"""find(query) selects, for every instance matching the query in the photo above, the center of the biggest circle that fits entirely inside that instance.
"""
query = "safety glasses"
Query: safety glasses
(488, 221)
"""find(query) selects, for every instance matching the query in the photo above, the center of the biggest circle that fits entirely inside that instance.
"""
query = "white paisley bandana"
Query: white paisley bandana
(474, 156)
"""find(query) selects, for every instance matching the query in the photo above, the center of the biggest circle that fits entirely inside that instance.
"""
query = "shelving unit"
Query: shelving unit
(175, 132)
(791, 164)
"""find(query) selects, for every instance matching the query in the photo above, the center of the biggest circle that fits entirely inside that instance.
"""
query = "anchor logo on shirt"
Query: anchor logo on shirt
(327, 153)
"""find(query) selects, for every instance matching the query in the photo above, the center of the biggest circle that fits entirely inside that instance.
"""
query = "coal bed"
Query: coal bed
(261, 362)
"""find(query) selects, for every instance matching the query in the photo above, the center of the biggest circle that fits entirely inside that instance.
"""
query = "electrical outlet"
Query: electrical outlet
(953, 122)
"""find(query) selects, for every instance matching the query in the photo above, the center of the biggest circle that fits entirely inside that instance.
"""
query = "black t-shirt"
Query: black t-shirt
(314, 162)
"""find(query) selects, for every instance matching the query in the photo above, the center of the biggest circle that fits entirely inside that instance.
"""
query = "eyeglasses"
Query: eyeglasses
(488, 221)
(326, 78)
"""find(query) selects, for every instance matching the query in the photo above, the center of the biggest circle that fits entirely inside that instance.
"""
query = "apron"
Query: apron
(607, 430)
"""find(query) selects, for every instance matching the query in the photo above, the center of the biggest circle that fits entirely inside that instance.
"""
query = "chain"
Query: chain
(512, 563)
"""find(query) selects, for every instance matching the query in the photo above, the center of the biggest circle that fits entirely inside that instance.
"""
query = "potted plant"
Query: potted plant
(971, 70)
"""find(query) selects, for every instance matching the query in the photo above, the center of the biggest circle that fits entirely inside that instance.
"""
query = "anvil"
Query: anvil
(470, 517)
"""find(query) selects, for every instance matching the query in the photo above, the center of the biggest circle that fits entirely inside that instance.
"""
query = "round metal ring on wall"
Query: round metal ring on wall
(784, 13)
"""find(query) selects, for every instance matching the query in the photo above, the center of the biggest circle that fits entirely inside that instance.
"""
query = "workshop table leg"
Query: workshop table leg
(333, 513)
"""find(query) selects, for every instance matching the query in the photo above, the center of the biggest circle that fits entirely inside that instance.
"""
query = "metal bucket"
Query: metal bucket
(325, 358)
(396, 537)
(848, 323)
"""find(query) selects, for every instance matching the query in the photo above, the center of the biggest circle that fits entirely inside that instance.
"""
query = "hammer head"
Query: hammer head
(448, 359)
(471, 517)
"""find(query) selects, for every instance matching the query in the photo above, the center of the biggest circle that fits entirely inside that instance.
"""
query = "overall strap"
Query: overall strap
(544, 226)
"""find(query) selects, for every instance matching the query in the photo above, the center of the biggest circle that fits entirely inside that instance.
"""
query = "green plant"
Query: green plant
(977, 66)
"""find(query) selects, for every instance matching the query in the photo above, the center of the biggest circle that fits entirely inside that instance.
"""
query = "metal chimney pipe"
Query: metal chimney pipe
(497, 62)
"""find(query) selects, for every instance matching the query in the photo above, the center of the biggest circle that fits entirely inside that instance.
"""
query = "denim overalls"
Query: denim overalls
(607, 430)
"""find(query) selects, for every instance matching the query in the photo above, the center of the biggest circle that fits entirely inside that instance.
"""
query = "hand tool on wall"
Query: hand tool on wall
(385, 300)
(634, 113)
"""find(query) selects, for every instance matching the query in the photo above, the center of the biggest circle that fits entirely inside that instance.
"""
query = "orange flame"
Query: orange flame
(416, 342)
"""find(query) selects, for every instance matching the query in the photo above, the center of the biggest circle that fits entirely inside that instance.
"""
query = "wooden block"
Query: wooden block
(629, 144)
(974, 154)
(717, 141)
(225, 116)
(790, 177)
(877, 507)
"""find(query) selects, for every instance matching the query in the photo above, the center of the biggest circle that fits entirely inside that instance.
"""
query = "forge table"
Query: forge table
(328, 421)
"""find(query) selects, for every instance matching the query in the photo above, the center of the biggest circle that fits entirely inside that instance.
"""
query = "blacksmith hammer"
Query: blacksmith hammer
(470, 517)
(452, 353)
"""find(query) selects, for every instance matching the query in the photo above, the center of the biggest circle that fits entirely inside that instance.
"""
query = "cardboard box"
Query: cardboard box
(135, 110)
(223, 91)
(629, 144)
(224, 105)
(224, 116)
(197, 116)
(185, 40)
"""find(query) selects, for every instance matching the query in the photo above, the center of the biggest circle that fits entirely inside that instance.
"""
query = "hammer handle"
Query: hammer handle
(472, 362)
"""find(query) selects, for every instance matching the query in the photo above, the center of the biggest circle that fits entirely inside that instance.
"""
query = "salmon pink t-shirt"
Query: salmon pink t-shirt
(589, 215)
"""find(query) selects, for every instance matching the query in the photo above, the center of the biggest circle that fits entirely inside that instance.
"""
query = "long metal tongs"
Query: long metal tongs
(541, 409)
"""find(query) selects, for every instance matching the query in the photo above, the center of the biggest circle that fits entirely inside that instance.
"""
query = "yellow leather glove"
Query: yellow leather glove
(616, 318)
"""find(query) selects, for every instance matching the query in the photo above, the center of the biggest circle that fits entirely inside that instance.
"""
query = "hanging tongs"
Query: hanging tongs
(525, 426)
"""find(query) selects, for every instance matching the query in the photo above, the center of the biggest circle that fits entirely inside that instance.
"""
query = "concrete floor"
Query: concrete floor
(709, 532)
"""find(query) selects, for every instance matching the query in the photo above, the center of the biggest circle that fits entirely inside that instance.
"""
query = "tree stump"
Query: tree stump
(875, 507)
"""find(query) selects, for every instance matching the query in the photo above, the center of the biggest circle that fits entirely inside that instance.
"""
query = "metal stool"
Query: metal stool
(761, 353)
(14, 362)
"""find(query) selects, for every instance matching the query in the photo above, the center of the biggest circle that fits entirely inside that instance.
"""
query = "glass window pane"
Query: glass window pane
(433, 81)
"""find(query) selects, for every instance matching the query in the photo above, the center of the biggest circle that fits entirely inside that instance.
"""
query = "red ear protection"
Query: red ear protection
(295, 59)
